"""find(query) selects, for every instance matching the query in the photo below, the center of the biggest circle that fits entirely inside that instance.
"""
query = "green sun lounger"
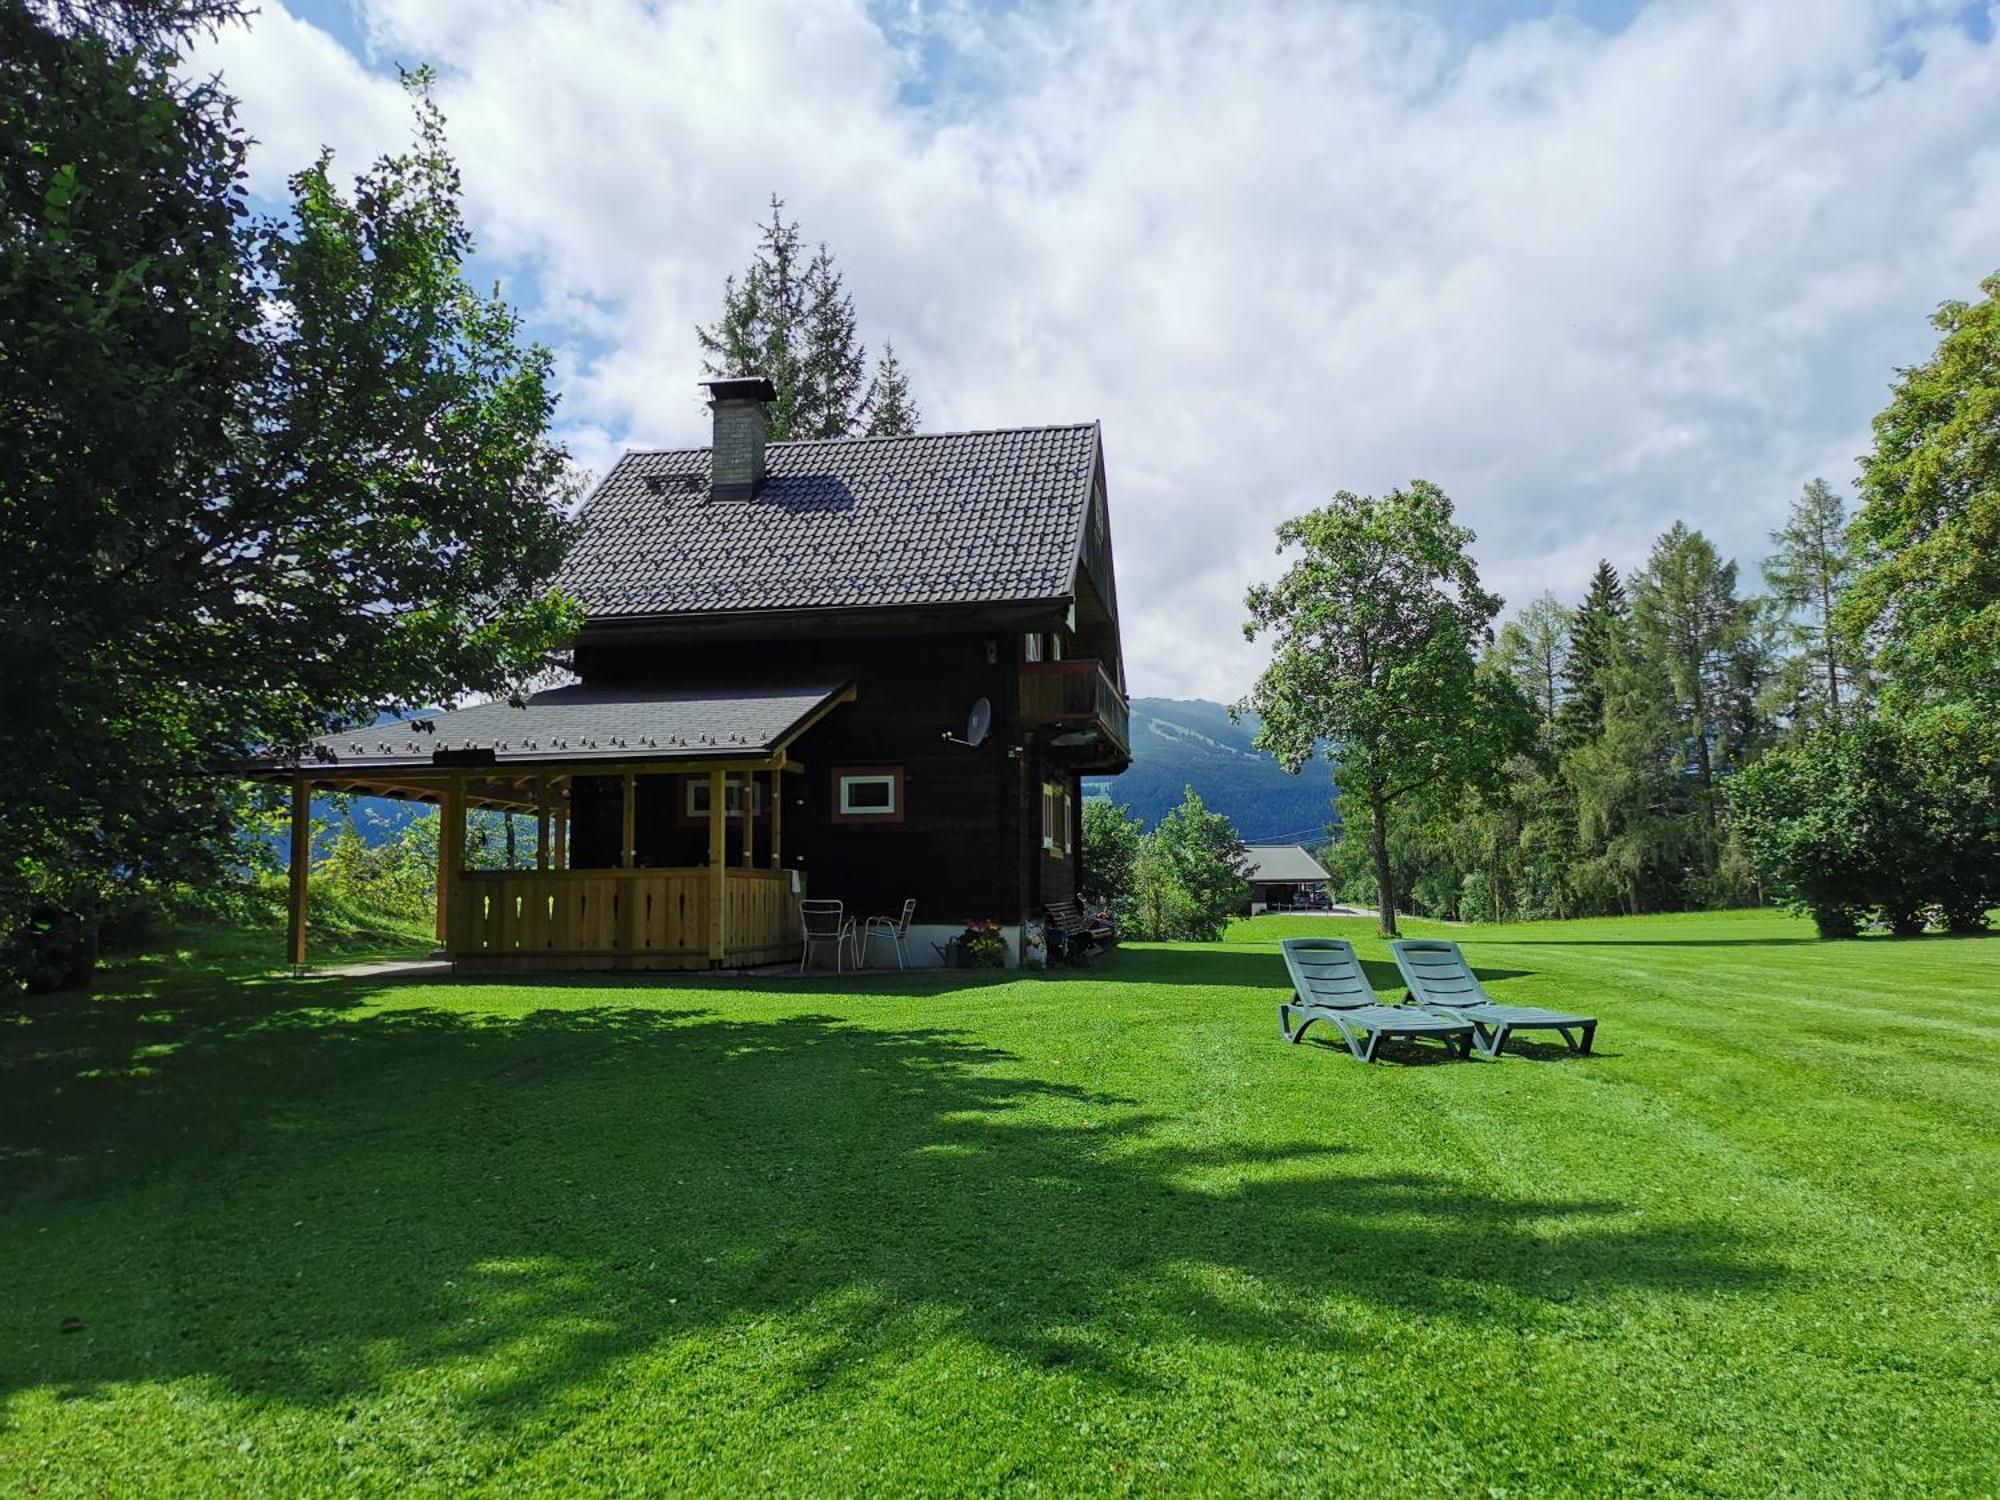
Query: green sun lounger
(1328, 985)
(1442, 982)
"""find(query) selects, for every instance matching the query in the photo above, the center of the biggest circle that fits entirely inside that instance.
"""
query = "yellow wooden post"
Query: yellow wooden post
(444, 867)
(749, 818)
(777, 819)
(542, 822)
(631, 855)
(301, 868)
(718, 867)
(451, 853)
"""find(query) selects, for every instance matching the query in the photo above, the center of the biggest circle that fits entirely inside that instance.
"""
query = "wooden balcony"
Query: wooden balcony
(1088, 719)
(621, 919)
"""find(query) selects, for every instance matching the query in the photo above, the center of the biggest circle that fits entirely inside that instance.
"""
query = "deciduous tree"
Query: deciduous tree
(1198, 854)
(1928, 598)
(261, 475)
(1375, 627)
(1112, 842)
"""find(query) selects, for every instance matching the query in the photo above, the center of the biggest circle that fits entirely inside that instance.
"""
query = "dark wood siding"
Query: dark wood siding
(959, 848)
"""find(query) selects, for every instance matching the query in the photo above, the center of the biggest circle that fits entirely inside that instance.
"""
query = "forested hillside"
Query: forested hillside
(1178, 743)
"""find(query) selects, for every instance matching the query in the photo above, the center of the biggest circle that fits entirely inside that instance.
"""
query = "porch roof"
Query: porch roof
(581, 723)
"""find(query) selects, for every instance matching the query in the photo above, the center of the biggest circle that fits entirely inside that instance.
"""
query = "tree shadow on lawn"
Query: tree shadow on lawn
(311, 1208)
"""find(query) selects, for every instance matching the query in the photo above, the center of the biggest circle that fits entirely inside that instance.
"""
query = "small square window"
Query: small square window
(694, 799)
(868, 794)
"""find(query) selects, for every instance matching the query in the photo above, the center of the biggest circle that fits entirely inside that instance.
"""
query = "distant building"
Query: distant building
(1283, 876)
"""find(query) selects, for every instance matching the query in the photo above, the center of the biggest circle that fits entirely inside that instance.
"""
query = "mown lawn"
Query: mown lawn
(1101, 1231)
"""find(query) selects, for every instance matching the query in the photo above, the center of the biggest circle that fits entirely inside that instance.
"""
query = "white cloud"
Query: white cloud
(1588, 283)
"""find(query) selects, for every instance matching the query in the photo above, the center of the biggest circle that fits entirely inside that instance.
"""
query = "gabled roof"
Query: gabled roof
(581, 723)
(1282, 864)
(955, 518)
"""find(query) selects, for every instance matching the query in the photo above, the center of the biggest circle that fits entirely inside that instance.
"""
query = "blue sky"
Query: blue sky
(1592, 266)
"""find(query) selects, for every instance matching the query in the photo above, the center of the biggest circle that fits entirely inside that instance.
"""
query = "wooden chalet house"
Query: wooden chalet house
(870, 669)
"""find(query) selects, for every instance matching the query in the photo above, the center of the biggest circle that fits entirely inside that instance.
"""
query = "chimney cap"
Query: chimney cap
(741, 388)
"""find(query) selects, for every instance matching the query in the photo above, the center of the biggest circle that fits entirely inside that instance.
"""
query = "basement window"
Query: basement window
(868, 794)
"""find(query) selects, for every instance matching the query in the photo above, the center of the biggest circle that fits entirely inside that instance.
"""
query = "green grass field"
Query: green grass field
(1101, 1231)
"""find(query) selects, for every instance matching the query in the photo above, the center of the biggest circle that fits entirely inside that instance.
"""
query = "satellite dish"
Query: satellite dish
(977, 724)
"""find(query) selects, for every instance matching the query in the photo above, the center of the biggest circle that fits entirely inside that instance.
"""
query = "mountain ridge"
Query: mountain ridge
(1183, 742)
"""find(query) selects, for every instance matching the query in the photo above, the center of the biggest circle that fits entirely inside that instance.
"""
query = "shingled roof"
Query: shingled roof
(843, 523)
(580, 723)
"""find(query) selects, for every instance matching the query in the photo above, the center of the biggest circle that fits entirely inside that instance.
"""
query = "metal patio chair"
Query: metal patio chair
(895, 929)
(823, 922)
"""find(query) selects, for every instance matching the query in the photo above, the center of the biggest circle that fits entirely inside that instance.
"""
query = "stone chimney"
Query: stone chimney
(737, 460)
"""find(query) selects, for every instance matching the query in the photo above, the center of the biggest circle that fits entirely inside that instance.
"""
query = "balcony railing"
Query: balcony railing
(1078, 697)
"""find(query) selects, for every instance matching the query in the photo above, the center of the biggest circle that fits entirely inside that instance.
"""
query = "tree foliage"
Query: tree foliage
(1189, 878)
(1809, 575)
(1534, 648)
(1928, 597)
(1870, 821)
(1695, 628)
(1112, 842)
(1599, 638)
(264, 476)
(790, 319)
(1375, 629)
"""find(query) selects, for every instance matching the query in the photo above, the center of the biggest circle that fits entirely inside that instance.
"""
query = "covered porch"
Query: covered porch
(615, 909)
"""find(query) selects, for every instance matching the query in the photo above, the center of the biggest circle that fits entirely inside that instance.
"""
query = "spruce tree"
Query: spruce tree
(892, 411)
(1597, 630)
(790, 319)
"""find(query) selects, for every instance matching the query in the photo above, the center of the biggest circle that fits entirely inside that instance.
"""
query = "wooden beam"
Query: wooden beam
(750, 818)
(562, 835)
(630, 857)
(541, 822)
(777, 820)
(846, 695)
(718, 867)
(301, 869)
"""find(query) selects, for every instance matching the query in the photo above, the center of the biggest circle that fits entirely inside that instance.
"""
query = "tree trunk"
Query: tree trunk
(1385, 895)
(511, 862)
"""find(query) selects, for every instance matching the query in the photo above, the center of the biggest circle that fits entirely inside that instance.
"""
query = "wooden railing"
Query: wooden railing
(618, 919)
(1076, 692)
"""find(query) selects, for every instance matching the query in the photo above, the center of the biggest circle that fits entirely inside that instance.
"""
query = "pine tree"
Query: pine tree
(1597, 630)
(1809, 575)
(791, 320)
(892, 411)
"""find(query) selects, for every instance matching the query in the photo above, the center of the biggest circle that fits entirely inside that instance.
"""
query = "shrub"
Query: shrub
(1870, 820)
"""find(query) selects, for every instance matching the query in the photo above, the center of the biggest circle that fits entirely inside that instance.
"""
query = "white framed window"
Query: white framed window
(1031, 646)
(868, 794)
